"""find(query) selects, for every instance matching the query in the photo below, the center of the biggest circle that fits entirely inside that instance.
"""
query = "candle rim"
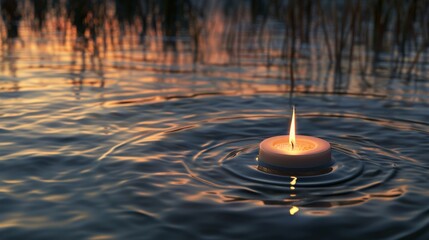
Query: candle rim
(320, 144)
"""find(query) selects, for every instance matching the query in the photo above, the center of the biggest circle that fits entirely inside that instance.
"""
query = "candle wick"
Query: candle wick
(293, 145)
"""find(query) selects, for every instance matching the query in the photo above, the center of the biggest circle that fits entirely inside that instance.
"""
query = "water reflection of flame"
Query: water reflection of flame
(293, 209)
(293, 182)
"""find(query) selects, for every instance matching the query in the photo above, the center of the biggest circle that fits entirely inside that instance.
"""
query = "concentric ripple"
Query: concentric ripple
(213, 154)
(233, 165)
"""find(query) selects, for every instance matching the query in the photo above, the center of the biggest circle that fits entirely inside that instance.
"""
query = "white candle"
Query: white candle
(289, 153)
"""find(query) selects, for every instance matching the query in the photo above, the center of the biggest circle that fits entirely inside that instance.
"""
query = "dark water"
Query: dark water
(119, 138)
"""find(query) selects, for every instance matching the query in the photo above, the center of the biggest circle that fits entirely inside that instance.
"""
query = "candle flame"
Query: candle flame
(292, 140)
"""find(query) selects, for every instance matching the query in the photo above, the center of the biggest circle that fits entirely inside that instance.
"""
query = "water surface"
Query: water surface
(143, 135)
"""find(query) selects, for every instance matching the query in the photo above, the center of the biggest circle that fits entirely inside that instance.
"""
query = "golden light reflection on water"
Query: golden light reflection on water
(90, 81)
(293, 209)
(114, 58)
(24, 221)
(19, 220)
(102, 237)
(293, 182)
(56, 198)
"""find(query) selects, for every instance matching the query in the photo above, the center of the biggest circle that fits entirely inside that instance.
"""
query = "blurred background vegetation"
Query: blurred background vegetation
(340, 46)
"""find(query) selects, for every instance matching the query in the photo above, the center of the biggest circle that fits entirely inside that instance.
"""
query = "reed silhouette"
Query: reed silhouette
(373, 39)
(11, 17)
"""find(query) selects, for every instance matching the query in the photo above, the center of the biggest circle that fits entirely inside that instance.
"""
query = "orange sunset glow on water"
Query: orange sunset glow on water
(214, 119)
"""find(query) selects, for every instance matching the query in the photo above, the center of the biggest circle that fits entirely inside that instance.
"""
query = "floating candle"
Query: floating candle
(294, 154)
